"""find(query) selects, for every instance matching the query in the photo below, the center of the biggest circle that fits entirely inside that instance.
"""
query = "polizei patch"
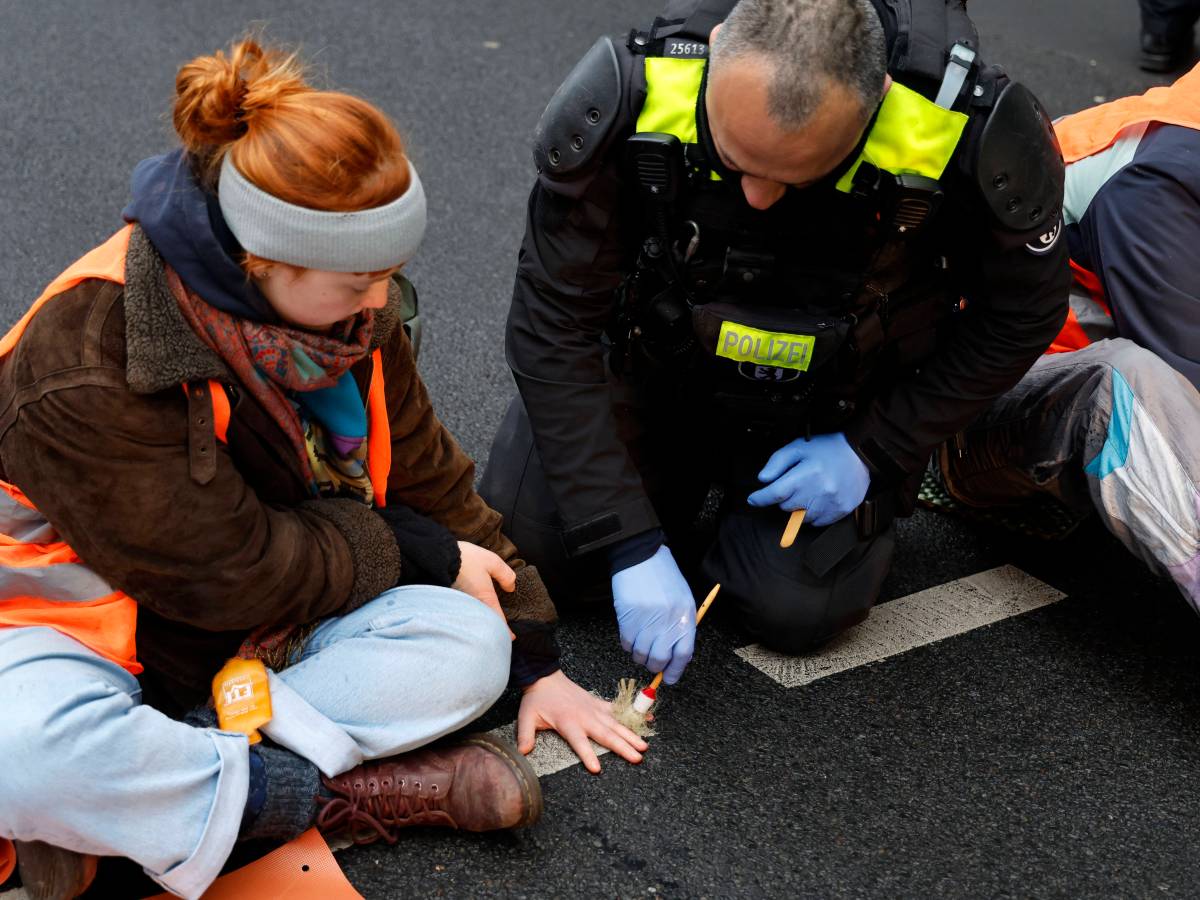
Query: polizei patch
(781, 350)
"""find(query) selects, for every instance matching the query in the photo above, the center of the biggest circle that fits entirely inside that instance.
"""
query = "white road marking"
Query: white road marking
(17, 894)
(910, 622)
(550, 754)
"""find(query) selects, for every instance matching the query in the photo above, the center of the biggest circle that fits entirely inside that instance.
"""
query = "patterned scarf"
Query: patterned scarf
(272, 361)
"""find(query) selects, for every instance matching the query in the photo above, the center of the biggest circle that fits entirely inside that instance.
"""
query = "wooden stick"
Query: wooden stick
(793, 528)
(708, 601)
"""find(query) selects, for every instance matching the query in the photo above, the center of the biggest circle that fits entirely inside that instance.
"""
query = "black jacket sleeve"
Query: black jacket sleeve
(569, 269)
(1016, 288)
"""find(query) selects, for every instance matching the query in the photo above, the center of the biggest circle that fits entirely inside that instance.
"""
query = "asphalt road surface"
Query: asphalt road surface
(1053, 752)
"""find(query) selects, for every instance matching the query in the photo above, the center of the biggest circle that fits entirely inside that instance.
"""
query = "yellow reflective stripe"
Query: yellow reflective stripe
(777, 349)
(672, 88)
(672, 92)
(911, 136)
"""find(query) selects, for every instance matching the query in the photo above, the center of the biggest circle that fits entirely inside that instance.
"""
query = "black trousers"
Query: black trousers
(1170, 19)
(788, 600)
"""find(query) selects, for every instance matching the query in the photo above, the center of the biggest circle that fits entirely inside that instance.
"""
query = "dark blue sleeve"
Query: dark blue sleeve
(1141, 235)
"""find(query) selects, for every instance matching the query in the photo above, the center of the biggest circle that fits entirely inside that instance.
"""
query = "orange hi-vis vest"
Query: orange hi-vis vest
(42, 580)
(1094, 130)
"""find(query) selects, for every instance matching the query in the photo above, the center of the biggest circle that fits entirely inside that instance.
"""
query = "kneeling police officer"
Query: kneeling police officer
(783, 248)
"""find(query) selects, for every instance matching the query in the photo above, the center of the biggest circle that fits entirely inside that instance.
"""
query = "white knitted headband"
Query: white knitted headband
(369, 240)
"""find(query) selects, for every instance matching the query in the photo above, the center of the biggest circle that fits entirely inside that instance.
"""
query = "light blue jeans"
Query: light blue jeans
(84, 765)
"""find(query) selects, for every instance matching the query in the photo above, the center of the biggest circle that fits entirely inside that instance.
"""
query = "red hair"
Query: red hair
(318, 149)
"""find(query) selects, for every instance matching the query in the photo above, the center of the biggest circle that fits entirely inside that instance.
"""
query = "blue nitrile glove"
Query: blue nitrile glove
(822, 475)
(656, 614)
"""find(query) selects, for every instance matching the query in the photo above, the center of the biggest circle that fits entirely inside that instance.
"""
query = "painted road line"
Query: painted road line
(910, 622)
(550, 753)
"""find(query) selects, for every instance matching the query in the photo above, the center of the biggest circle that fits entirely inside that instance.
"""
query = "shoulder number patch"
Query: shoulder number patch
(685, 49)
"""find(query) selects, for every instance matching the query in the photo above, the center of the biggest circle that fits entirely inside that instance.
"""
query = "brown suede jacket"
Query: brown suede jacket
(214, 540)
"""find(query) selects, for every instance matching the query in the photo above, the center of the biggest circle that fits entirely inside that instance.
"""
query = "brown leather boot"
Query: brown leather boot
(480, 783)
(52, 873)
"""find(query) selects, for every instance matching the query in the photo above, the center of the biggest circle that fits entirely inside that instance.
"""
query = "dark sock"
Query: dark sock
(283, 790)
(281, 801)
(201, 717)
(256, 793)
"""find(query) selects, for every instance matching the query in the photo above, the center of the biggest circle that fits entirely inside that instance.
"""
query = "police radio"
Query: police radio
(657, 163)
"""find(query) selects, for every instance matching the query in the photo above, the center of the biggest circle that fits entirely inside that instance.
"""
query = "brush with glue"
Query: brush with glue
(646, 696)
(631, 709)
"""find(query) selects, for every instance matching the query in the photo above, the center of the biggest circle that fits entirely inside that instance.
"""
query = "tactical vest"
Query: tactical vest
(789, 313)
(42, 580)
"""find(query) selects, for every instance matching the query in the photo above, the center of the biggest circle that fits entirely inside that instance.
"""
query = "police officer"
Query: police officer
(776, 252)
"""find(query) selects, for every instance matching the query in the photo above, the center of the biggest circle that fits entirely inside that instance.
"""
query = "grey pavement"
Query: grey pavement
(1053, 754)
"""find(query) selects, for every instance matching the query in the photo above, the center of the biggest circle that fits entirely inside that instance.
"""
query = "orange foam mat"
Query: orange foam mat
(302, 870)
(8, 859)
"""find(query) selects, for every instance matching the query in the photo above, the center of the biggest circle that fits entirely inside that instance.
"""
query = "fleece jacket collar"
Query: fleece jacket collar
(162, 351)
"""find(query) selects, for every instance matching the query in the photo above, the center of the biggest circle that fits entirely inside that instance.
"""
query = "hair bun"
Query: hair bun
(217, 97)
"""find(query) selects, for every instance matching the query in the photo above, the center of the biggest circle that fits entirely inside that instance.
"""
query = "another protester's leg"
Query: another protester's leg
(795, 599)
(1110, 426)
(1171, 19)
(87, 767)
(1167, 32)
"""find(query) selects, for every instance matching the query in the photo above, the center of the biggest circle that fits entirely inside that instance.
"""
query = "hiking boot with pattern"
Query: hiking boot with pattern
(480, 783)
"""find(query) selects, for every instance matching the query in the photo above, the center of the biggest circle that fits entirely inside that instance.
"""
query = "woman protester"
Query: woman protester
(214, 442)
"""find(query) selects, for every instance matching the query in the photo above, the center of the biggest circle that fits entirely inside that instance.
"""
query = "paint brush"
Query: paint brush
(631, 706)
(647, 695)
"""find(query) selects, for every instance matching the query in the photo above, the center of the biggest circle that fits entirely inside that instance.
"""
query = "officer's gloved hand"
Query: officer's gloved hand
(822, 475)
(656, 614)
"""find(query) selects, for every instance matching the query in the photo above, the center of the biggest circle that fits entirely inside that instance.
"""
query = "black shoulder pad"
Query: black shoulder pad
(578, 118)
(1019, 167)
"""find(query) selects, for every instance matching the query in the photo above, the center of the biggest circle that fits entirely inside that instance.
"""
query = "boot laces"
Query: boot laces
(368, 817)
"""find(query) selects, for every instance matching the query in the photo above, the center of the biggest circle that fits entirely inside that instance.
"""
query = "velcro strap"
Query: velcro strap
(582, 538)
(957, 70)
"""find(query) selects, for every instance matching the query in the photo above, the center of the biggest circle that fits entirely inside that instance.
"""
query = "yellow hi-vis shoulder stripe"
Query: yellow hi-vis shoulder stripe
(777, 349)
(672, 92)
(911, 136)
(672, 88)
